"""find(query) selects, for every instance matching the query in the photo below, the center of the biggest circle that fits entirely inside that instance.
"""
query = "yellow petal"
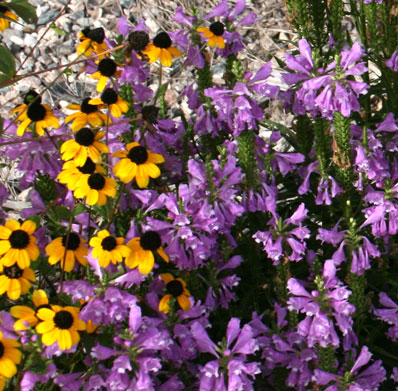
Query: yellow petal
(64, 340)
(164, 304)
(184, 302)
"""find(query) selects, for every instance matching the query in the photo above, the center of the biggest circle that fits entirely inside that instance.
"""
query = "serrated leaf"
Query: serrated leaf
(24, 10)
(7, 62)
(63, 213)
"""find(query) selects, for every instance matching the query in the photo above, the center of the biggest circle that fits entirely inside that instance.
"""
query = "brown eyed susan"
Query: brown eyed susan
(84, 145)
(160, 48)
(87, 114)
(5, 23)
(15, 281)
(31, 96)
(10, 356)
(27, 316)
(116, 104)
(107, 68)
(75, 250)
(96, 188)
(17, 243)
(92, 40)
(107, 248)
(175, 287)
(214, 34)
(71, 173)
(61, 325)
(142, 249)
(40, 115)
(138, 163)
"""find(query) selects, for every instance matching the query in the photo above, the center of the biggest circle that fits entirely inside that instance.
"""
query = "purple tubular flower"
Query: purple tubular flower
(393, 61)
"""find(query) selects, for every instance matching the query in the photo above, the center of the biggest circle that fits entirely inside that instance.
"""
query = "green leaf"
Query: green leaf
(63, 213)
(1, 125)
(24, 10)
(7, 62)
(79, 209)
(57, 30)
(6, 80)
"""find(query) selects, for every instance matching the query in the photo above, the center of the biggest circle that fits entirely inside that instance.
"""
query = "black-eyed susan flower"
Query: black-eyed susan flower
(214, 34)
(71, 173)
(107, 248)
(14, 280)
(116, 104)
(95, 187)
(87, 114)
(27, 317)
(138, 163)
(10, 356)
(84, 145)
(92, 40)
(138, 41)
(17, 243)
(5, 23)
(175, 287)
(39, 114)
(142, 249)
(31, 96)
(60, 324)
(74, 247)
(160, 48)
(107, 68)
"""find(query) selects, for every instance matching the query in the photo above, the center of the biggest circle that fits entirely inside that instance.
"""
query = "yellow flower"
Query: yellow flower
(92, 40)
(95, 188)
(138, 163)
(15, 281)
(85, 144)
(71, 173)
(175, 287)
(9, 356)
(60, 324)
(5, 23)
(41, 115)
(108, 248)
(161, 49)
(74, 248)
(106, 69)
(214, 34)
(17, 245)
(116, 104)
(142, 249)
(26, 315)
(3, 382)
(87, 114)
(31, 96)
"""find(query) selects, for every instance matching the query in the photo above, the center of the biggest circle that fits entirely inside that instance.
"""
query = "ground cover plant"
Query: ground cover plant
(204, 246)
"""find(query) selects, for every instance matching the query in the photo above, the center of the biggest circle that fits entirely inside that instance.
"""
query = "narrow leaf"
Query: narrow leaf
(7, 62)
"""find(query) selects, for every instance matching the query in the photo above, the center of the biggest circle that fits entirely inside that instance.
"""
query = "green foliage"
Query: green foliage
(23, 9)
(7, 62)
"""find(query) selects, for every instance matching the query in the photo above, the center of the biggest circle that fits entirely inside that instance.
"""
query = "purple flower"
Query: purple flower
(393, 61)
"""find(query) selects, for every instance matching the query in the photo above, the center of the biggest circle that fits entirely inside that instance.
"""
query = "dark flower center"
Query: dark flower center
(3, 9)
(1, 349)
(109, 96)
(63, 320)
(150, 113)
(96, 181)
(13, 271)
(217, 28)
(36, 112)
(88, 167)
(30, 96)
(138, 40)
(108, 243)
(73, 241)
(86, 108)
(19, 239)
(85, 137)
(97, 35)
(138, 155)
(174, 288)
(162, 40)
(107, 67)
(150, 241)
